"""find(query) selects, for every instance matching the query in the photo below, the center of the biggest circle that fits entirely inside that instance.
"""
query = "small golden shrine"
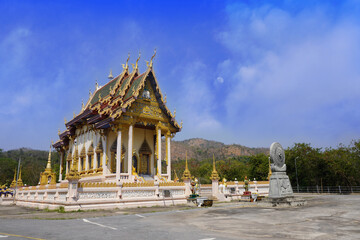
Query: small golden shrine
(19, 181)
(48, 176)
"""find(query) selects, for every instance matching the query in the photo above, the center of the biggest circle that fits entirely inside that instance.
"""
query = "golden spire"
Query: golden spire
(126, 65)
(150, 64)
(186, 174)
(110, 75)
(15, 174)
(20, 182)
(13, 183)
(176, 179)
(135, 67)
(48, 166)
(65, 120)
(214, 174)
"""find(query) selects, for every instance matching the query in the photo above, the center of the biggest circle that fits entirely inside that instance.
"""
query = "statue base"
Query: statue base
(280, 185)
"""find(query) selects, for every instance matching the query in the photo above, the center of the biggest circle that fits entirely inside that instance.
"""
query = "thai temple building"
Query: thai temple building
(117, 135)
(110, 153)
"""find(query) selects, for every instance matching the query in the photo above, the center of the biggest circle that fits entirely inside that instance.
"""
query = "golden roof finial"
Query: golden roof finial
(96, 85)
(135, 67)
(126, 65)
(150, 64)
(181, 124)
(82, 104)
(165, 98)
(65, 120)
(174, 113)
(59, 131)
(74, 114)
(90, 93)
(110, 75)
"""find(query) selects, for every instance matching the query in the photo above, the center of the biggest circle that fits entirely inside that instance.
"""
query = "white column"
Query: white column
(159, 150)
(168, 157)
(67, 165)
(95, 166)
(104, 154)
(130, 147)
(61, 163)
(86, 162)
(118, 156)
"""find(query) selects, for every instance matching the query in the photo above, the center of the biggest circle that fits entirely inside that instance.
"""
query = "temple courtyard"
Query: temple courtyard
(324, 217)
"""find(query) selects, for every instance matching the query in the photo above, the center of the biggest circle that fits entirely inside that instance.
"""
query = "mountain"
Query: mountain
(198, 148)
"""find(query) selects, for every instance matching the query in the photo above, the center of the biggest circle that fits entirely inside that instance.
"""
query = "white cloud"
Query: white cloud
(220, 80)
(292, 74)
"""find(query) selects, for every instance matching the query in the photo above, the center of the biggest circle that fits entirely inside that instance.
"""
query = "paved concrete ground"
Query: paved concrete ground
(324, 217)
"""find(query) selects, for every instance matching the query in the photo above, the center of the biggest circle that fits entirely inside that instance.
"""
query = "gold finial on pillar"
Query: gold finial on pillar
(176, 179)
(186, 174)
(19, 181)
(110, 77)
(214, 174)
(48, 165)
(13, 183)
(15, 174)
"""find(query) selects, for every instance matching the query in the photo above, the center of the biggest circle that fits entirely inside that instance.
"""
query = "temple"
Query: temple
(117, 135)
(110, 153)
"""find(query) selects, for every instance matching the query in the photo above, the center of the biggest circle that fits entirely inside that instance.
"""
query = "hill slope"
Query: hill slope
(198, 148)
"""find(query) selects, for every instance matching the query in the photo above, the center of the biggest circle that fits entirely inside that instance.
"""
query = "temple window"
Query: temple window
(90, 162)
(82, 167)
(98, 158)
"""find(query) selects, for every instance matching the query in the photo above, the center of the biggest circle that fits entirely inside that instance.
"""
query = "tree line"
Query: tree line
(314, 166)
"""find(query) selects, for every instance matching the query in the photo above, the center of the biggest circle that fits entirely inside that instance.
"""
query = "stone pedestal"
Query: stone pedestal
(215, 187)
(280, 185)
(187, 187)
(72, 195)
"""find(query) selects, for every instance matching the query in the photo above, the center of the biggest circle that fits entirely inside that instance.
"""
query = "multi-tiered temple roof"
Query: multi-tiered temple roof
(114, 99)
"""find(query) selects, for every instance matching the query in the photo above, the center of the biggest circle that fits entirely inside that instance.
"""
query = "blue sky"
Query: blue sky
(245, 72)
